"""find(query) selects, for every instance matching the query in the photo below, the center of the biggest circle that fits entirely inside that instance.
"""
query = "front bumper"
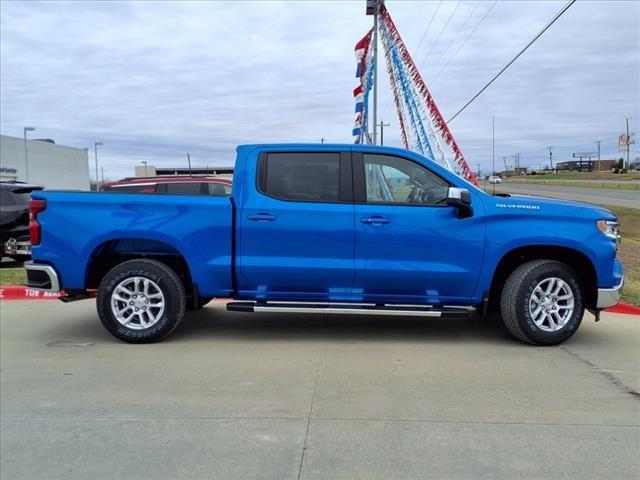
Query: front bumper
(608, 297)
(42, 277)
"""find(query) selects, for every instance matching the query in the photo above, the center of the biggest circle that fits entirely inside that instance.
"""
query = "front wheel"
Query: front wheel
(541, 302)
(141, 301)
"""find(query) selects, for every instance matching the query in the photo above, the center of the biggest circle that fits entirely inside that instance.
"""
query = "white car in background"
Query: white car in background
(493, 179)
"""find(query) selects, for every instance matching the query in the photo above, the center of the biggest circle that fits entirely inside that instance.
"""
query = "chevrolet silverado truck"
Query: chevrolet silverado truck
(329, 229)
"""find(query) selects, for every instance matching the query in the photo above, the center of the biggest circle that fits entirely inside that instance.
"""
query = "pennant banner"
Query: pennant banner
(422, 127)
(364, 71)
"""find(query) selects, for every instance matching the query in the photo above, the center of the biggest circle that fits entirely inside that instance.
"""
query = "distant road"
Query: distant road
(600, 196)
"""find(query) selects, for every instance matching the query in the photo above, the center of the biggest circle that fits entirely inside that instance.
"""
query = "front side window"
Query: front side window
(298, 176)
(396, 180)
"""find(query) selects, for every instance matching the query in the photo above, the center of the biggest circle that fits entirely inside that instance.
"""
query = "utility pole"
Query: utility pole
(550, 158)
(506, 170)
(322, 140)
(493, 149)
(189, 160)
(26, 158)
(95, 149)
(478, 175)
(382, 125)
(598, 142)
(102, 172)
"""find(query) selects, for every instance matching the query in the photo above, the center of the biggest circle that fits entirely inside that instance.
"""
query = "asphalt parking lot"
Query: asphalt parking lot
(232, 395)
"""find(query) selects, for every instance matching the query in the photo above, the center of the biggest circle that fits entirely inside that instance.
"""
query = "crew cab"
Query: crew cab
(329, 229)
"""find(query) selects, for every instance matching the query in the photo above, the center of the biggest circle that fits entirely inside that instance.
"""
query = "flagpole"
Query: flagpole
(375, 73)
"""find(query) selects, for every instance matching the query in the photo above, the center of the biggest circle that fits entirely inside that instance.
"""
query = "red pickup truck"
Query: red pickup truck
(191, 185)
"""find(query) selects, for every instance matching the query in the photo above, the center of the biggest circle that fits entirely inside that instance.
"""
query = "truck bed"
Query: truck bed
(197, 227)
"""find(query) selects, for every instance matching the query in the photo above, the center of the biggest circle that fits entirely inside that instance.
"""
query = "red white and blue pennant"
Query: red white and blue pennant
(364, 72)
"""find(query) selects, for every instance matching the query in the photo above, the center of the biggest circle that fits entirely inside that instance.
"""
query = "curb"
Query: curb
(17, 292)
(624, 308)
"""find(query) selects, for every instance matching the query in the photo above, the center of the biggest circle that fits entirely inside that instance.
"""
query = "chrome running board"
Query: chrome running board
(345, 308)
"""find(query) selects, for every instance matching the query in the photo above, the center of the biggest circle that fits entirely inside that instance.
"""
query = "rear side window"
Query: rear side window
(185, 188)
(299, 176)
(220, 189)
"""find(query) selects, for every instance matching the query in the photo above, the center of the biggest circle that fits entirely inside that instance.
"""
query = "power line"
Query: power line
(455, 37)
(428, 26)
(553, 20)
(463, 43)
(440, 34)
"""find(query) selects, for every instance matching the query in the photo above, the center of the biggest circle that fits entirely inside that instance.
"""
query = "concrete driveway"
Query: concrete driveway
(284, 397)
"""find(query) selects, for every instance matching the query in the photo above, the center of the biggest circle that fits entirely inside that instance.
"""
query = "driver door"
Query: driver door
(410, 246)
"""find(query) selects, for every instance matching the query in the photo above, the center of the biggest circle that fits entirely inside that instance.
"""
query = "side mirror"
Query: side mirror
(460, 198)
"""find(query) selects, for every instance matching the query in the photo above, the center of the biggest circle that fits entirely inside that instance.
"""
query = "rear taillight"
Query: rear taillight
(35, 207)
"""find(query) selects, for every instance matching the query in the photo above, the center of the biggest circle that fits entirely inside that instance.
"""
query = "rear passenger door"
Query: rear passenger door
(297, 226)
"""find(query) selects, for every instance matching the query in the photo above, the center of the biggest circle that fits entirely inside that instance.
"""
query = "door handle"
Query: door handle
(375, 220)
(262, 217)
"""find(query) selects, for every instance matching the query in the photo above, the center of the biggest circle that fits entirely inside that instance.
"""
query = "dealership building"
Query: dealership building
(43, 162)
(153, 171)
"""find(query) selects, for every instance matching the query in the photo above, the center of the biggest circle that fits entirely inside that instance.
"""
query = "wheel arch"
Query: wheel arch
(574, 259)
(114, 251)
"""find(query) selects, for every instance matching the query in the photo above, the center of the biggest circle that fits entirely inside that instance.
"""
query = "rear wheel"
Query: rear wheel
(541, 302)
(141, 301)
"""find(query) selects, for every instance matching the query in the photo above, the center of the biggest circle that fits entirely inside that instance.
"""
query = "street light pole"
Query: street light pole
(95, 147)
(628, 146)
(26, 157)
(145, 167)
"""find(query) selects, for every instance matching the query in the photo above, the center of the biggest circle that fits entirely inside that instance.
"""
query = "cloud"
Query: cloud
(153, 80)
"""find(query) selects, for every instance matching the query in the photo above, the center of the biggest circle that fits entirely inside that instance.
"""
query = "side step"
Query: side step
(351, 309)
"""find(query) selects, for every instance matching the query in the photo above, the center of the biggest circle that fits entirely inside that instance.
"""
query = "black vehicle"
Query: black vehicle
(14, 219)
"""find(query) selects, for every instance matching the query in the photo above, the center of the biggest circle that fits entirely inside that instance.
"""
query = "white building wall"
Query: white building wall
(56, 167)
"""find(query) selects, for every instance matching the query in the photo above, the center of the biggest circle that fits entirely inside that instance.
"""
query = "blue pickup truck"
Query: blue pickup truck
(330, 229)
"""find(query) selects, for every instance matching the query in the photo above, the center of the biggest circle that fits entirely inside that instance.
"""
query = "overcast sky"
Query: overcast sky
(154, 80)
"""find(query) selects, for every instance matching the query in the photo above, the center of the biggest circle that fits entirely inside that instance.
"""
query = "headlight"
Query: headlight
(610, 229)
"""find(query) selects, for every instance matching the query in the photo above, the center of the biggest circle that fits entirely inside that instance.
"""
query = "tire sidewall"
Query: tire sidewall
(174, 300)
(529, 283)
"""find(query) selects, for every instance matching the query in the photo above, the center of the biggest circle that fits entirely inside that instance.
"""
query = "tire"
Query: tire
(533, 316)
(142, 287)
